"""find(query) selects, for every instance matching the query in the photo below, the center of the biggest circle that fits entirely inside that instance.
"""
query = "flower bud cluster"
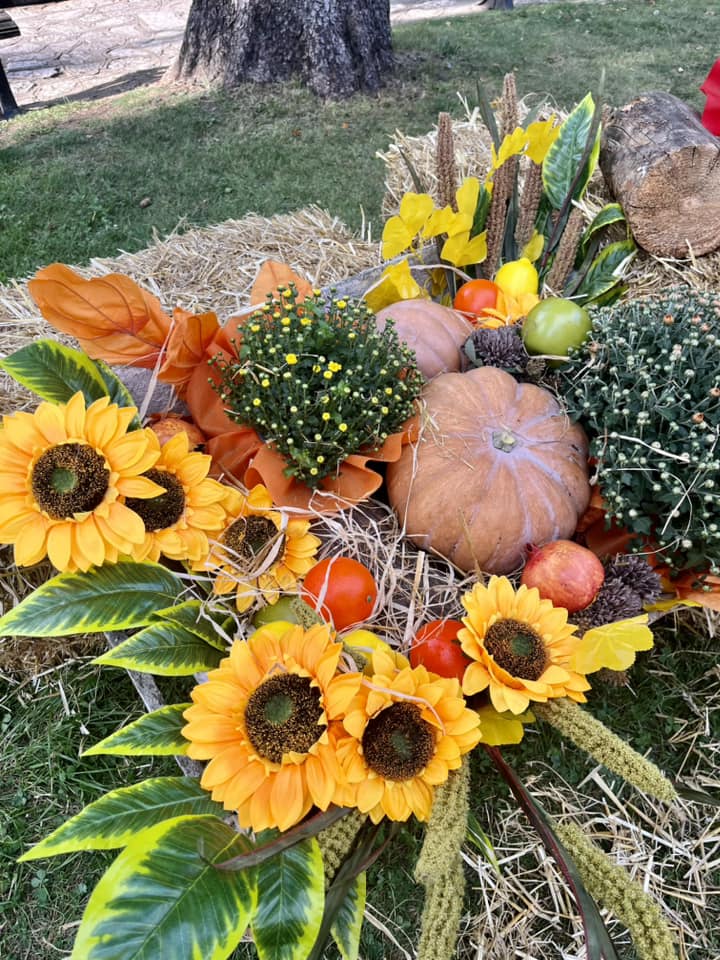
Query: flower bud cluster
(647, 391)
(318, 381)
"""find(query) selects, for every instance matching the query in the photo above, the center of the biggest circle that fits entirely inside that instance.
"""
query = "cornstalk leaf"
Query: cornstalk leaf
(291, 894)
(569, 163)
(598, 943)
(117, 596)
(55, 372)
(488, 114)
(412, 170)
(479, 839)
(192, 615)
(155, 734)
(165, 649)
(163, 897)
(115, 819)
(348, 922)
(606, 270)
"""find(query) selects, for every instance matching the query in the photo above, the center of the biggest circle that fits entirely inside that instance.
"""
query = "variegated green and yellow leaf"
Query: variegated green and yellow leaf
(611, 213)
(55, 372)
(116, 596)
(194, 616)
(606, 270)
(348, 922)
(156, 734)
(114, 819)
(563, 159)
(291, 896)
(164, 899)
(164, 648)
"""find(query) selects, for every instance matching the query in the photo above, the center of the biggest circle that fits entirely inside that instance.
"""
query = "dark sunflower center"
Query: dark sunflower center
(398, 743)
(161, 512)
(69, 478)
(517, 648)
(250, 539)
(282, 716)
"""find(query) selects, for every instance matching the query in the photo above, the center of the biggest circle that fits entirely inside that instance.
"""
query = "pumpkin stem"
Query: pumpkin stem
(504, 440)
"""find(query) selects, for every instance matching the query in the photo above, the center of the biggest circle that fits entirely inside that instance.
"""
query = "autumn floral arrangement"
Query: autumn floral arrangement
(326, 707)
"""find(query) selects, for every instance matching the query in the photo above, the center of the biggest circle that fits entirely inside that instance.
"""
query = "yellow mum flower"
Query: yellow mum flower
(65, 471)
(177, 522)
(260, 550)
(521, 646)
(268, 720)
(407, 728)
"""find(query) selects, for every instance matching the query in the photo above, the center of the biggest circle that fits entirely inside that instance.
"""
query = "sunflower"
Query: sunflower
(520, 644)
(177, 522)
(260, 550)
(406, 730)
(268, 721)
(65, 472)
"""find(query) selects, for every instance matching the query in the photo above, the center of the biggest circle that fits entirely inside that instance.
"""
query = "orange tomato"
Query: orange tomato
(437, 648)
(475, 296)
(342, 590)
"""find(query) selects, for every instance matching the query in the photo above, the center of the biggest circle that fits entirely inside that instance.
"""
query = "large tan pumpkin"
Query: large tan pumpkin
(497, 466)
(434, 332)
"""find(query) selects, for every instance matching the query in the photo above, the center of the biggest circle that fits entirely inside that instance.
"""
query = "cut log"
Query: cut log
(663, 166)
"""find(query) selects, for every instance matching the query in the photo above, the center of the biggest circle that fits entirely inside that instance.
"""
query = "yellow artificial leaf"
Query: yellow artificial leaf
(534, 247)
(397, 283)
(395, 238)
(613, 645)
(439, 221)
(512, 145)
(415, 208)
(467, 195)
(502, 728)
(400, 231)
(671, 603)
(460, 250)
(540, 137)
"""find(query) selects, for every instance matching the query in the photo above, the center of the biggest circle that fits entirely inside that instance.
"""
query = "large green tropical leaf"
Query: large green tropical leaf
(606, 270)
(55, 372)
(348, 921)
(291, 895)
(166, 649)
(114, 819)
(156, 734)
(565, 156)
(194, 617)
(163, 899)
(116, 596)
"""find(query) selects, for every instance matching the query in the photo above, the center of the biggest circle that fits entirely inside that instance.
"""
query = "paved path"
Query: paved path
(88, 49)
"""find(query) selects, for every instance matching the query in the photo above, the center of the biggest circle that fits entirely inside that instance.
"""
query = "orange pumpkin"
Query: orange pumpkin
(497, 466)
(435, 333)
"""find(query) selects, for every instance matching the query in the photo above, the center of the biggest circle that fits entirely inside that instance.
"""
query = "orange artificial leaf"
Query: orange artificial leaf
(699, 588)
(273, 276)
(113, 318)
(190, 336)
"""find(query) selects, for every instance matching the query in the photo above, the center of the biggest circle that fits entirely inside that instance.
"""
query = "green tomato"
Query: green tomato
(554, 326)
(291, 609)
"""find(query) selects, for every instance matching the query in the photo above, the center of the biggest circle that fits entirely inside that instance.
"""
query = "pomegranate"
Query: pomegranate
(565, 573)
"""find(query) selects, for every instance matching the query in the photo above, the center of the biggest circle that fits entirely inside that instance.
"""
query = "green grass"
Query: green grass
(72, 177)
(71, 182)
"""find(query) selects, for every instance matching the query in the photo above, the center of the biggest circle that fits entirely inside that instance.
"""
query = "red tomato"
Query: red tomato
(475, 296)
(437, 648)
(340, 589)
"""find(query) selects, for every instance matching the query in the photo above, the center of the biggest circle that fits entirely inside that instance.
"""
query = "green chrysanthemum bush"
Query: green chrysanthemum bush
(319, 382)
(647, 390)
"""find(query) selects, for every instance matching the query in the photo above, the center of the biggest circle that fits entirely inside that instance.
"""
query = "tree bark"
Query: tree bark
(336, 47)
(663, 166)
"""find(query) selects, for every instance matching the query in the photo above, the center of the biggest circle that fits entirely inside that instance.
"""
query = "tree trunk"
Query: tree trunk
(663, 166)
(336, 47)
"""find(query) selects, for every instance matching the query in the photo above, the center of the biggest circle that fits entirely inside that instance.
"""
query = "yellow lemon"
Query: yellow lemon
(363, 643)
(517, 277)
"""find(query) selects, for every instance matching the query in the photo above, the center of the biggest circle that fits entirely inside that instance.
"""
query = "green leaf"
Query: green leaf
(291, 894)
(610, 213)
(115, 819)
(564, 157)
(348, 921)
(194, 617)
(479, 839)
(55, 372)
(162, 897)
(156, 734)
(116, 596)
(117, 391)
(165, 649)
(606, 270)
